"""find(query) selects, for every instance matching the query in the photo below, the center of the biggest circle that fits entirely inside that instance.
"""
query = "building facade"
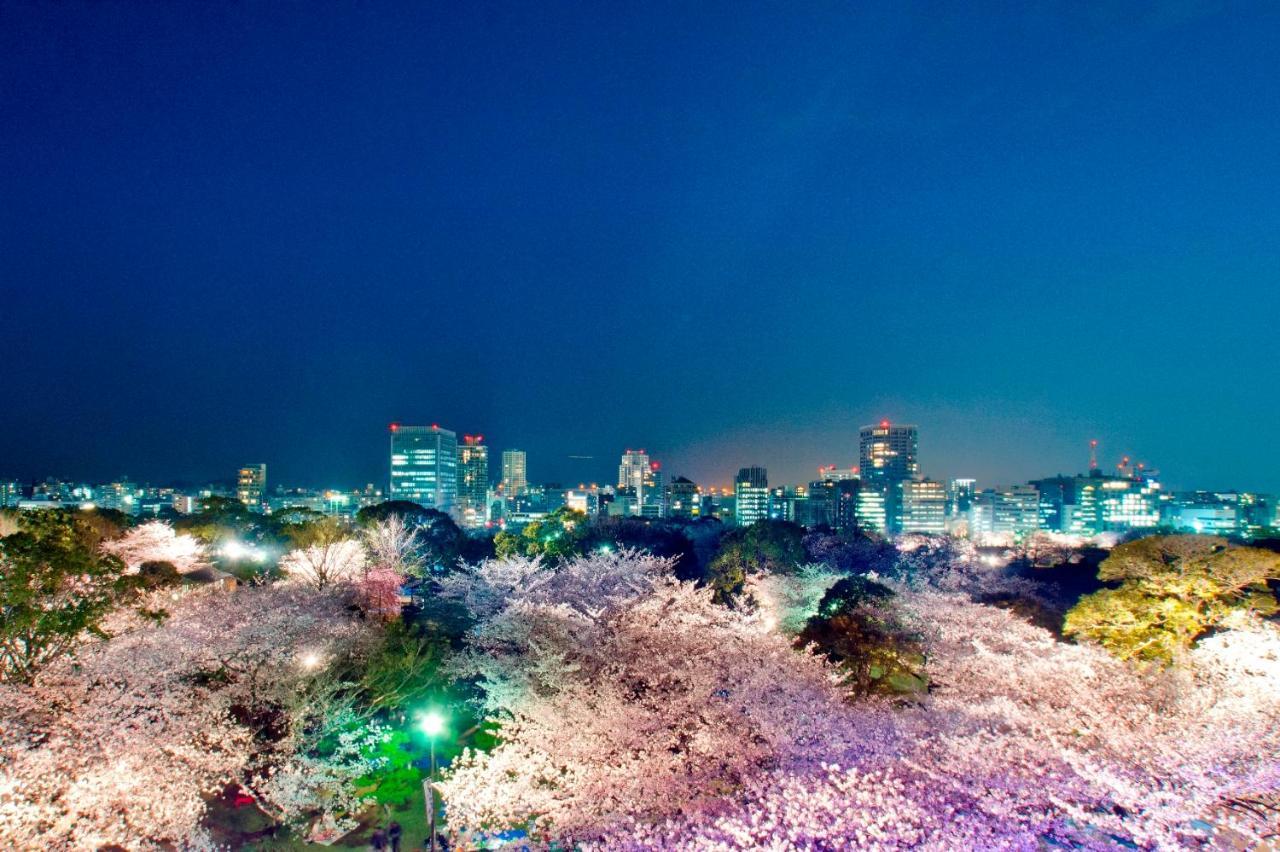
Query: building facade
(424, 466)
(473, 481)
(515, 473)
(924, 506)
(251, 485)
(888, 456)
(751, 495)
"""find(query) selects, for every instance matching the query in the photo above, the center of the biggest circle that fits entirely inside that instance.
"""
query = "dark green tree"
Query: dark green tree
(55, 588)
(857, 627)
(764, 547)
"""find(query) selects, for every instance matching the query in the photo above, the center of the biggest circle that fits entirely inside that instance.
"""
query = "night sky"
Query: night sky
(728, 233)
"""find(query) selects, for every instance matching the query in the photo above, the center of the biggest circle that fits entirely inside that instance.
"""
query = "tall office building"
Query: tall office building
(633, 468)
(424, 466)
(888, 452)
(1005, 514)
(751, 495)
(473, 481)
(960, 493)
(924, 506)
(633, 471)
(515, 474)
(887, 457)
(251, 485)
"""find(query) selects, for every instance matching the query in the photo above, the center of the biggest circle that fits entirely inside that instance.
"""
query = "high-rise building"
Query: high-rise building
(633, 471)
(888, 453)
(887, 457)
(653, 496)
(1005, 514)
(515, 474)
(10, 492)
(424, 466)
(924, 506)
(633, 468)
(686, 501)
(251, 485)
(751, 495)
(473, 481)
(960, 494)
(870, 506)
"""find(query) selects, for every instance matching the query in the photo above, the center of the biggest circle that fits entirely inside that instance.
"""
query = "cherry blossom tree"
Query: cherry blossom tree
(634, 712)
(325, 565)
(378, 592)
(394, 545)
(156, 541)
(120, 746)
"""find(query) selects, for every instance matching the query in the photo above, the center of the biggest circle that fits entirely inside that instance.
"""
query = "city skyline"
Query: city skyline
(1025, 230)
(1093, 451)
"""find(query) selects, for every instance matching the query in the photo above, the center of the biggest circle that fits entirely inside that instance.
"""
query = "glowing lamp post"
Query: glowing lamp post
(432, 724)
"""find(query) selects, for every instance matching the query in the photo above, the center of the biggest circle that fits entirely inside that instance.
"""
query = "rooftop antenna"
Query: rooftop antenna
(1093, 454)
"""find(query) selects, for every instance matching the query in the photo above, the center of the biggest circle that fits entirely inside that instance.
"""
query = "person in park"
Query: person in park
(394, 831)
(378, 842)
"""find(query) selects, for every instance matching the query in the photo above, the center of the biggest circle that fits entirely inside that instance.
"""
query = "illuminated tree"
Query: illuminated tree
(55, 589)
(156, 541)
(1172, 589)
(326, 565)
(121, 746)
(394, 545)
(633, 712)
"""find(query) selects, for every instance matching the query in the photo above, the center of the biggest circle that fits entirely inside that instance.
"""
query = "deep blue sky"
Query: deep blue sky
(729, 233)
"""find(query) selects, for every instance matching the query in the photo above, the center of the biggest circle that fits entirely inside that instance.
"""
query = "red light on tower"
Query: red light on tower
(884, 424)
(394, 427)
(435, 425)
(655, 465)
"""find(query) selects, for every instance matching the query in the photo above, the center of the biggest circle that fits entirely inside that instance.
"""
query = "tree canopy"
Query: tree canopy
(1172, 590)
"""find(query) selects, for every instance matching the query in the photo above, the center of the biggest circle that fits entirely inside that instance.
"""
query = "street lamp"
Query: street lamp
(432, 724)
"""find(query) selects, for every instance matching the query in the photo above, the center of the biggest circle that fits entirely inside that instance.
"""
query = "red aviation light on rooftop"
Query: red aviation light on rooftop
(884, 424)
(435, 425)
(655, 465)
(394, 427)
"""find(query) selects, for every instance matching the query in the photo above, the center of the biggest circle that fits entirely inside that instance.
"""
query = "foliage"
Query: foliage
(441, 543)
(618, 690)
(851, 554)
(664, 538)
(790, 600)
(857, 628)
(764, 547)
(394, 545)
(402, 671)
(55, 588)
(560, 535)
(1172, 590)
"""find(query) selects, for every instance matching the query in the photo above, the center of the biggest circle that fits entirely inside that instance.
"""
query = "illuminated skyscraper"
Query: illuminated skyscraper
(515, 474)
(887, 458)
(924, 506)
(251, 485)
(751, 495)
(887, 453)
(473, 481)
(633, 471)
(424, 466)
